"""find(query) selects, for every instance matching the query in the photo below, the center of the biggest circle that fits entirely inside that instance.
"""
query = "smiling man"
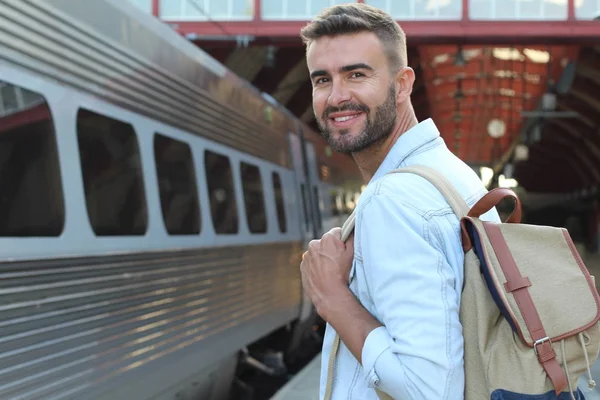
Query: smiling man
(393, 291)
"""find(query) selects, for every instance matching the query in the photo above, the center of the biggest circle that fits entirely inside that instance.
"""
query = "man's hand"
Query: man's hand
(325, 268)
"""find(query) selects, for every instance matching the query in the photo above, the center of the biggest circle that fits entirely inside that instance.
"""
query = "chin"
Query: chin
(346, 144)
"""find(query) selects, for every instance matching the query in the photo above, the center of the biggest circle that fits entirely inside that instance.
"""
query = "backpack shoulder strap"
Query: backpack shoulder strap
(454, 199)
(458, 204)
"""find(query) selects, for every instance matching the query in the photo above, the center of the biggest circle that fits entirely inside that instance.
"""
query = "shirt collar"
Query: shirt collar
(410, 141)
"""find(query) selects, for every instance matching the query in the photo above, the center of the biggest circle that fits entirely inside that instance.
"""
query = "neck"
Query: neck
(369, 159)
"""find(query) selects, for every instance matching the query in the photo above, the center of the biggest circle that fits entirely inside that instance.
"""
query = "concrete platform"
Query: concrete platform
(304, 386)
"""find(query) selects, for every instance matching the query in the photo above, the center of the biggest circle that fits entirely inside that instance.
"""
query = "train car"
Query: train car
(153, 209)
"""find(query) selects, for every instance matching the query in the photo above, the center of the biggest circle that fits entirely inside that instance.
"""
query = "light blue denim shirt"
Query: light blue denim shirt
(408, 273)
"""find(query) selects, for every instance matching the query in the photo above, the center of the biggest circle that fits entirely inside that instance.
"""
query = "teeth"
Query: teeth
(342, 119)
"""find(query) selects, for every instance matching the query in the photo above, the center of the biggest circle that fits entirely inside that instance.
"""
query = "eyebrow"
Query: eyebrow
(345, 68)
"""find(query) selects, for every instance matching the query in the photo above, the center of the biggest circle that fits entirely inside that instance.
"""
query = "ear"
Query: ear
(405, 79)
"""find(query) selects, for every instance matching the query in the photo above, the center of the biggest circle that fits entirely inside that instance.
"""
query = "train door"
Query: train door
(314, 189)
(307, 227)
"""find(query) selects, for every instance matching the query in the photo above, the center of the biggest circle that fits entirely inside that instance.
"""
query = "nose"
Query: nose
(339, 94)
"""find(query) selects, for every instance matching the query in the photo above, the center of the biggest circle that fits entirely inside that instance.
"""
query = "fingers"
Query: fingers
(330, 240)
(335, 231)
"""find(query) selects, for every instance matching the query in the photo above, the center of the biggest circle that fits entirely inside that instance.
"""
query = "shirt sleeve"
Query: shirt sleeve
(418, 353)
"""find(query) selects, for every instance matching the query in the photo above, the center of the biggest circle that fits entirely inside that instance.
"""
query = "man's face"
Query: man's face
(354, 94)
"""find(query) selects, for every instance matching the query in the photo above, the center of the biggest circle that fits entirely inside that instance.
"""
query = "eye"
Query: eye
(320, 80)
(357, 75)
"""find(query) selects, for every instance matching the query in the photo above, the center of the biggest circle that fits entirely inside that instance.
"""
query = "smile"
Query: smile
(344, 121)
(346, 118)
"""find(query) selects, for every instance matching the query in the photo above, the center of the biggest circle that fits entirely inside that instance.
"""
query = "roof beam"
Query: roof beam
(300, 99)
(421, 32)
(285, 59)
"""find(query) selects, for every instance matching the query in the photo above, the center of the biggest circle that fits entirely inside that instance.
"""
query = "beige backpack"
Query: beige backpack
(529, 307)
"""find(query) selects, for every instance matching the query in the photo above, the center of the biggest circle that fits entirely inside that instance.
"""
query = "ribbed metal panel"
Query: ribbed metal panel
(67, 325)
(35, 35)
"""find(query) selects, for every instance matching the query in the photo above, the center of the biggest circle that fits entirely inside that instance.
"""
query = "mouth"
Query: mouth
(345, 120)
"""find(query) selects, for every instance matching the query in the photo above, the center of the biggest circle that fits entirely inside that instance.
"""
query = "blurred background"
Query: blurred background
(161, 173)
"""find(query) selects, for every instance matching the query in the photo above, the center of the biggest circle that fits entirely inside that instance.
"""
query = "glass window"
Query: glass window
(587, 9)
(316, 6)
(293, 9)
(254, 198)
(223, 206)
(31, 194)
(240, 8)
(171, 8)
(278, 192)
(272, 8)
(505, 9)
(400, 10)
(177, 185)
(218, 9)
(528, 8)
(480, 9)
(206, 9)
(421, 9)
(296, 9)
(8, 93)
(196, 9)
(518, 9)
(433, 10)
(112, 175)
(554, 11)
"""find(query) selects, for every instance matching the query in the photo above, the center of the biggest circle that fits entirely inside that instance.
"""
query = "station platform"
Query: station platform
(305, 385)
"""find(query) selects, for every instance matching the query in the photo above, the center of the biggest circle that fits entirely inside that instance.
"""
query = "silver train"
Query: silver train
(153, 209)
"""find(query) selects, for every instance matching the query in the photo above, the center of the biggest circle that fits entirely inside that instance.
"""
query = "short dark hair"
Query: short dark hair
(359, 17)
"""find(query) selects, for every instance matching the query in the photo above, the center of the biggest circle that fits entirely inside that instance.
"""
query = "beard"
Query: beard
(378, 126)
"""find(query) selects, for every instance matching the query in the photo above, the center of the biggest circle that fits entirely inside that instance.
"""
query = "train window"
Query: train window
(254, 198)
(177, 185)
(333, 203)
(112, 175)
(31, 200)
(317, 208)
(223, 206)
(304, 202)
(278, 192)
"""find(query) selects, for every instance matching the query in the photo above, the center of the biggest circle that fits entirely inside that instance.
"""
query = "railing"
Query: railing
(402, 10)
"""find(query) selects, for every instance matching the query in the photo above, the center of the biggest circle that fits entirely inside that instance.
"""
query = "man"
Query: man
(392, 292)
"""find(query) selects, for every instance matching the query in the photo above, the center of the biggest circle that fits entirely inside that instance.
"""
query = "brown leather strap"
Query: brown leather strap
(542, 345)
(516, 284)
(491, 199)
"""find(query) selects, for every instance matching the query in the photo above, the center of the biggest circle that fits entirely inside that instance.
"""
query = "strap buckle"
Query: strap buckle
(540, 341)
